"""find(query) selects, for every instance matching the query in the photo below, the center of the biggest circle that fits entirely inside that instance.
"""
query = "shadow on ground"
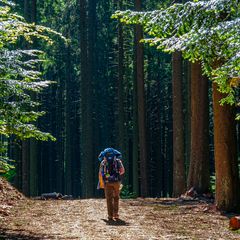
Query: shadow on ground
(6, 234)
(118, 222)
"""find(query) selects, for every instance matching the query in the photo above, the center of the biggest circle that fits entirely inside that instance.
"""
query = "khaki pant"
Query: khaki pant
(112, 192)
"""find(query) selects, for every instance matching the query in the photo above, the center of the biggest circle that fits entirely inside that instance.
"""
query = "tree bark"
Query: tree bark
(135, 150)
(30, 147)
(122, 133)
(141, 106)
(33, 143)
(25, 168)
(120, 85)
(68, 144)
(199, 169)
(225, 151)
(86, 105)
(92, 37)
(179, 185)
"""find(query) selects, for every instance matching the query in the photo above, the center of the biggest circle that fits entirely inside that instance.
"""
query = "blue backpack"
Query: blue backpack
(109, 153)
(110, 170)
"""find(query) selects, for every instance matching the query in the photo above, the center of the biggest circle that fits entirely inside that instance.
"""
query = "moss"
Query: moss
(165, 207)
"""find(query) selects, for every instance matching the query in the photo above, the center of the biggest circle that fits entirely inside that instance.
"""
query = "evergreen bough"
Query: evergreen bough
(205, 31)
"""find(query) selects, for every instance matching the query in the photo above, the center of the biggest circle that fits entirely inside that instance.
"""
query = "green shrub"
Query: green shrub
(213, 183)
(126, 192)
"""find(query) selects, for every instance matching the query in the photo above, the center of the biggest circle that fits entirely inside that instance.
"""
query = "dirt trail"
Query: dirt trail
(148, 219)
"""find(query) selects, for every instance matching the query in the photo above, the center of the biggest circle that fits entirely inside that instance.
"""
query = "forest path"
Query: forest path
(143, 219)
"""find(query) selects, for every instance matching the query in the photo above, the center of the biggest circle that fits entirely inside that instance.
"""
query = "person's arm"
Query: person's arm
(100, 177)
(121, 168)
(103, 169)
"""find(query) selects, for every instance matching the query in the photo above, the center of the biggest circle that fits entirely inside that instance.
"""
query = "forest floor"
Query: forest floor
(141, 219)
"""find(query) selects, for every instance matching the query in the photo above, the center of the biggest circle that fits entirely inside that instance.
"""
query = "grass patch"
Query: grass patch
(165, 207)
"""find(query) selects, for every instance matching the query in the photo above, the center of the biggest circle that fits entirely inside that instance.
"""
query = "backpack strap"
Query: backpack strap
(116, 165)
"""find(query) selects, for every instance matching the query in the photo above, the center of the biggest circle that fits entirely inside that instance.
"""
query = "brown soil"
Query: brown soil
(9, 197)
(141, 219)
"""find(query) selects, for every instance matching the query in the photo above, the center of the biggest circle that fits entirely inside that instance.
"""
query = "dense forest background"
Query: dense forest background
(111, 90)
(93, 104)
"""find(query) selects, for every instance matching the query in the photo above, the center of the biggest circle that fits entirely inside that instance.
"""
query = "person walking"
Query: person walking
(110, 175)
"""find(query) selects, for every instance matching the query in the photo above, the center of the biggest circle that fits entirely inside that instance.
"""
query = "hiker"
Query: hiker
(110, 174)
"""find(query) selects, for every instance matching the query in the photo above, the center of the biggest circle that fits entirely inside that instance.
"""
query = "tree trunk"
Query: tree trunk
(225, 146)
(86, 106)
(29, 147)
(179, 185)
(169, 143)
(92, 79)
(135, 144)
(68, 144)
(187, 115)
(122, 133)
(141, 106)
(120, 86)
(56, 124)
(33, 143)
(199, 169)
(25, 167)
(15, 153)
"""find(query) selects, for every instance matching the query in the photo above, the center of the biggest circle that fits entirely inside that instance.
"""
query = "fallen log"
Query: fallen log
(67, 197)
(234, 223)
(53, 195)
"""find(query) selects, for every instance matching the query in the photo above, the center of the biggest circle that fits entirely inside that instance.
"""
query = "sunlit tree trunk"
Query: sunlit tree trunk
(187, 112)
(225, 151)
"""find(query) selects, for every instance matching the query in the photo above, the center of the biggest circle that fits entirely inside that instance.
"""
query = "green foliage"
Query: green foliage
(213, 183)
(126, 193)
(206, 31)
(20, 78)
(6, 165)
(10, 173)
